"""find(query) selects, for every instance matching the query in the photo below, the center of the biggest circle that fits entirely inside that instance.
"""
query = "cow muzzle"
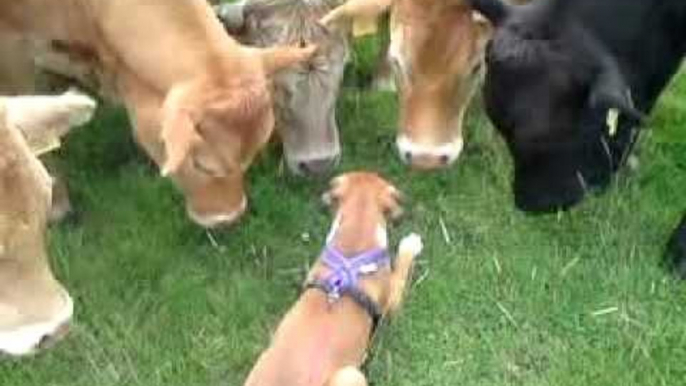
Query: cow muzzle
(218, 220)
(316, 166)
(33, 337)
(428, 157)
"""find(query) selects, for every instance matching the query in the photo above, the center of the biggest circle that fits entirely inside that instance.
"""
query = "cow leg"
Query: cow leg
(382, 78)
(676, 250)
(410, 247)
(347, 376)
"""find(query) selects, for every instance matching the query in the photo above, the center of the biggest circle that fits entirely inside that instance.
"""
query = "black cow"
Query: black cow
(559, 71)
(676, 250)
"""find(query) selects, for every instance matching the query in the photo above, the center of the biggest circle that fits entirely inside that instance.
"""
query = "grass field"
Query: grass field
(499, 298)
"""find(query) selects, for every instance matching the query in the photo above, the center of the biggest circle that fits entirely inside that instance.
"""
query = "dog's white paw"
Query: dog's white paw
(411, 244)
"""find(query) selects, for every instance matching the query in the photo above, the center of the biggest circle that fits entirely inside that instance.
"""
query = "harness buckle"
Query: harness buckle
(332, 297)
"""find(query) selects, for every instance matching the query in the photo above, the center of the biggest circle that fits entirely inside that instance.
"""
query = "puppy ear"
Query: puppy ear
(328, 198)
(178, 132)
(331, 197)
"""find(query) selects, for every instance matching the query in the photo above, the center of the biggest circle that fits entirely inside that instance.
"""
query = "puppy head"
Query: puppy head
(360, 193)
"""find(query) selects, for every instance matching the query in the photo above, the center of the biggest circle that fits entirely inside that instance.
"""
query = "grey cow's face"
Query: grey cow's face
(305, 96)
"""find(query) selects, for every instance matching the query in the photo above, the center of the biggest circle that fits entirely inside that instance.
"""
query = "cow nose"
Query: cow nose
(318, 166)
(428, 156)
(50, 340)
(44, 332)
(220, 219)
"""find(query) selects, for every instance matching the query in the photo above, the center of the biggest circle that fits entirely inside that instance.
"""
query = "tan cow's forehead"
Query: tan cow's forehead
(439, 40)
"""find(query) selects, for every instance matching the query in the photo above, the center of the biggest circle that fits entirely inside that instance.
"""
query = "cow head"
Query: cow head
(212, 129)
(35, 309)
(436, 52)
(304, 97)
(555, 94)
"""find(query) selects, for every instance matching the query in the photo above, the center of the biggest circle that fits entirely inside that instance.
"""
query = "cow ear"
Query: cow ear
(43, 119)
(232, 15)
(278, 58)
(496, 11)
(179, 135)
(363, 14)
(484, 30)
(610, 92)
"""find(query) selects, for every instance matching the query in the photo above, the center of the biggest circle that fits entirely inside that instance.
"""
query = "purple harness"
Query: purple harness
(345, 275)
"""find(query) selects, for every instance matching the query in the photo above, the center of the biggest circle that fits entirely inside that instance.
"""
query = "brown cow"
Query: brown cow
(436, 53)
(199, 101)
(35, 309)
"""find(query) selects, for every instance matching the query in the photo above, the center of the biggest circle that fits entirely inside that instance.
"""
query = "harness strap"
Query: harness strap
(357, 295)
(345, 274)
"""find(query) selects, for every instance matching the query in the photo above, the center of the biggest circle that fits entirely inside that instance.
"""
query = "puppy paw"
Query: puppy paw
(411, 244)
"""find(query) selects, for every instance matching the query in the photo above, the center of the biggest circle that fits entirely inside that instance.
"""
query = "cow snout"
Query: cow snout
(218, 220)
(317, 166)
(427, 157)
(49, 340)
(39, 334)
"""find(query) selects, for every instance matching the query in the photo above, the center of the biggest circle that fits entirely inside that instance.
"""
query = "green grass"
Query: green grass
(511, 299)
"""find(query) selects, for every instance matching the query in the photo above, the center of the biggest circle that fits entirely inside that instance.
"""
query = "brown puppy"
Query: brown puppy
(323, 338)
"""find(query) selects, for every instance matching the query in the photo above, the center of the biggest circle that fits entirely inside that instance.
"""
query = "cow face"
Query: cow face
(305, 96)
(209, 146)
(436, 52)
(35, 309)
(213, 128)
(554, 94)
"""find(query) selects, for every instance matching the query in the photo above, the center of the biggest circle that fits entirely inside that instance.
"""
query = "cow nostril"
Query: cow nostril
(44, 342)
(318, 166)
(302, 166)
(444, 159)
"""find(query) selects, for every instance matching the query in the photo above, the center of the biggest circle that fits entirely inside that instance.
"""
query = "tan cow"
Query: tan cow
(35, 309)
(436, 51)
(199, 101)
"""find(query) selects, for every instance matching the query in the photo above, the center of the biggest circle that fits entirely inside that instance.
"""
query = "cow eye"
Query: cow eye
(205, 168)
